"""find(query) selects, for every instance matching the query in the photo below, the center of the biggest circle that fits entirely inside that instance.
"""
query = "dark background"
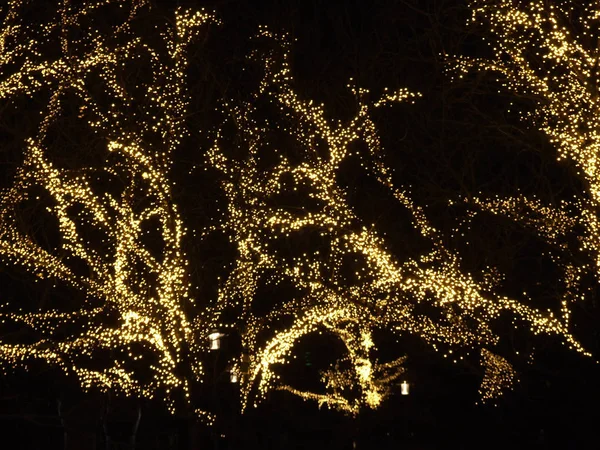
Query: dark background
(456, 141)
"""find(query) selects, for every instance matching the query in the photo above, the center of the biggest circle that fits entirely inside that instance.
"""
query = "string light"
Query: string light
(548, 52)
(499, 375)
(148, 291)
(385, 292)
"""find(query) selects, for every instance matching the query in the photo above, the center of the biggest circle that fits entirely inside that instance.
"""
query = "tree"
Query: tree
(546, 55)
(384, 292)
(306, 264)
(120, 234)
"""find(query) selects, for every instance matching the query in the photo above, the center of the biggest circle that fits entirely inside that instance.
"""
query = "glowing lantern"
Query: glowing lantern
(233, 376)
(404, 388)
(215, 340)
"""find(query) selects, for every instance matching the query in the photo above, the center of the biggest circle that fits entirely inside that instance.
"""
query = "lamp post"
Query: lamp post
(404, 388)
(214, 339)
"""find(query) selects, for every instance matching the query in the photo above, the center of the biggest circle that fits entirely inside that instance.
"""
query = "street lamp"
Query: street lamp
(215, 340)
(404, 388)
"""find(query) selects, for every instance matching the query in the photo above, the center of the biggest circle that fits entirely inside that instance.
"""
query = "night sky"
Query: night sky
(461, 139)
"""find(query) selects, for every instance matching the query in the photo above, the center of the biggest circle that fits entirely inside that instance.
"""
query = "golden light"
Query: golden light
(137, 305)
(384, 292)
(134, 296)
(404, 388)
(546, 52)
(215, 340)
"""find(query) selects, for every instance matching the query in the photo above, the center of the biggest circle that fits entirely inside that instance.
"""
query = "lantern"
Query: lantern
(233, 375)
(215, 340)
(404, 387)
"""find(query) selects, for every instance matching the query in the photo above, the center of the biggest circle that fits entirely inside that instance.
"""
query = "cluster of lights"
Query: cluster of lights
(383, 293)
(496, 368)
(548, 52)
(146, 290)
(149, 292)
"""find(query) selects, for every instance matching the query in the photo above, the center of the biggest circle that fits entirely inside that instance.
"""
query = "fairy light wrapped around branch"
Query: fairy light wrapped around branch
(134, 294)
(135, 290)
(383, 292)
(548, 53)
